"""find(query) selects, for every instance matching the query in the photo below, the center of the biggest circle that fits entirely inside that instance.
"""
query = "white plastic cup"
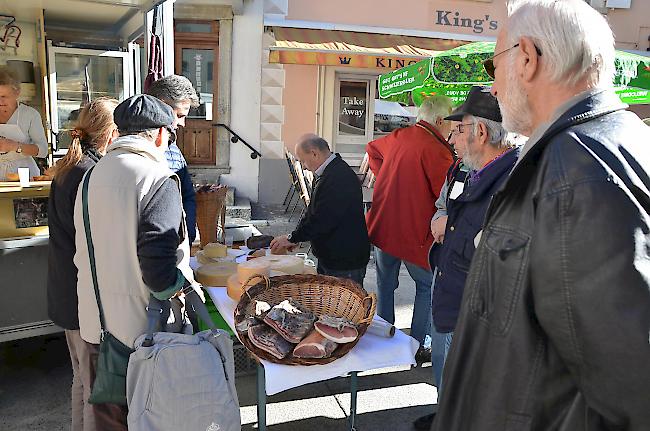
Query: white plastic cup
(23, 175)
(303, 256)
(229, 240)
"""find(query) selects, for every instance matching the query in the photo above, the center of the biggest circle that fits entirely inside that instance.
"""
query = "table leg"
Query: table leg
(353, 400)
(261, 398)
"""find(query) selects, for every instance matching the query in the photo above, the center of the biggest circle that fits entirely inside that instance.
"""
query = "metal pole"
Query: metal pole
(353, 400)
(288, 204)
(261, 398)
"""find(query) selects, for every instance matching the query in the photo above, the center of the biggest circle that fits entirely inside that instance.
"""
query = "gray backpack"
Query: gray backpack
(181, 381)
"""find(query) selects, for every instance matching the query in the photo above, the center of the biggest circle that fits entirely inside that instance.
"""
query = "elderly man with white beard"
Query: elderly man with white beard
(553, 328)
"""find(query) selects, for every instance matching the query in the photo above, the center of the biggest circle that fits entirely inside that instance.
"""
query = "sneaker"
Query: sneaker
(424, 423)
(423, 355)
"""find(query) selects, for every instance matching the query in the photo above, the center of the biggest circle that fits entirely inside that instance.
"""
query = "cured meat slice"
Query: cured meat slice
(259, 241)
(242, 327)
(270, 341)
(292, 321)
(314, 346)
(337, 329)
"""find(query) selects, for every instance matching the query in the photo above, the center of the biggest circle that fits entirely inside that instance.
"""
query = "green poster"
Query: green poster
(404, 79)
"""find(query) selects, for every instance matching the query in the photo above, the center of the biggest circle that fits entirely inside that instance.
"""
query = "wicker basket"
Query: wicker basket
(211, 212)
(320, 294)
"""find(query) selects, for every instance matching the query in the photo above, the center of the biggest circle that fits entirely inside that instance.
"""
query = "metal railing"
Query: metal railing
(236, 138)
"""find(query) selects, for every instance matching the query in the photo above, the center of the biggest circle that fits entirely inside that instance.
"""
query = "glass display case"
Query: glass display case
(78, 76)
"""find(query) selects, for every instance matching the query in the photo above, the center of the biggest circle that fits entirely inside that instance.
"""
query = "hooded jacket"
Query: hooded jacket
(139, 238)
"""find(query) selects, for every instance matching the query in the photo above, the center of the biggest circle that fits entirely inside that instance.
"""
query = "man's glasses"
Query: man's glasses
(488, 64)
(459, 128)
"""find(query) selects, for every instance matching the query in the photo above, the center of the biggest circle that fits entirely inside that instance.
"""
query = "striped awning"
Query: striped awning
(352, 49)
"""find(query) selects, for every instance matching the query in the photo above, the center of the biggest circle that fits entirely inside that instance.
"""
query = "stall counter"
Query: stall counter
(24, 244)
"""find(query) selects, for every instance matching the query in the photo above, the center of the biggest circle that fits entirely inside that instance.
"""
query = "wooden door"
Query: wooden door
(196, 55)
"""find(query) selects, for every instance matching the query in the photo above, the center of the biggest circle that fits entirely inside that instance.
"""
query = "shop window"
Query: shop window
(197, 52)
(393, 114)
(78, 76)
(353, 108)
(198, 66)
(353, 129)
(360, 117)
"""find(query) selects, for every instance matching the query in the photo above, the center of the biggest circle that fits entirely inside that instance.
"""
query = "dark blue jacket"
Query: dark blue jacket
(452, 258)
(189, 201)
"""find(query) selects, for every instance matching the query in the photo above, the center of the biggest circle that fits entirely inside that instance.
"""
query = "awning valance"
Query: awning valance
(352, 49)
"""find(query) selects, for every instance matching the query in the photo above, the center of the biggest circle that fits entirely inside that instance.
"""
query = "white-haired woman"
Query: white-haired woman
(21, 130)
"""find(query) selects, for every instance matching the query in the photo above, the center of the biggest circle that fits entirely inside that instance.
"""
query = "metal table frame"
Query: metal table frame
(261, 399)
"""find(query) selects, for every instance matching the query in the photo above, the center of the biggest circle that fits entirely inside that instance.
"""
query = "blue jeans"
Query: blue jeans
(388, 280)
(352, 274)
(440, 343)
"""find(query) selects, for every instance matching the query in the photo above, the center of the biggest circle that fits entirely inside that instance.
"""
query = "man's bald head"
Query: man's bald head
(310, 141)
(312, 151)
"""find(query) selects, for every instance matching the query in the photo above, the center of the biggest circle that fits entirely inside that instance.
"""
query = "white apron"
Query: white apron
(11, 161)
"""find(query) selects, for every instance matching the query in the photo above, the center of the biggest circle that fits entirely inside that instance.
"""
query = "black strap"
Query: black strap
(155, 309)
(433, 132)
(91, 248)
(616, 167)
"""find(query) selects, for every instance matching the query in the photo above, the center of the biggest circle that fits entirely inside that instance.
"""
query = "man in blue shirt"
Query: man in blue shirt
(177, 91)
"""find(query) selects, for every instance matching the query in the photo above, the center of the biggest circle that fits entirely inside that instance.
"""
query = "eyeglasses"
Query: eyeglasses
(458, 129)
(488, 64)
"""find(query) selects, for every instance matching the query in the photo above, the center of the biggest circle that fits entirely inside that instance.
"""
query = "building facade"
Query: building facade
(267, 71)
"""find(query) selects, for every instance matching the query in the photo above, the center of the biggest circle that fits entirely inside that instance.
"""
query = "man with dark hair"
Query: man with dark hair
(177, 91)
(334, 221)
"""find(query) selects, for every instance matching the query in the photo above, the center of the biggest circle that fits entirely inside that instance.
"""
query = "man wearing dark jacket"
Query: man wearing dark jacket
(481, 142)
(553, 328)
(334, 222)
(177, 91)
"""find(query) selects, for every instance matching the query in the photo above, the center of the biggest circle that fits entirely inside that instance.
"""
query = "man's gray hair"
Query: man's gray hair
(576, 42)
(434, 108)
(149, 135)
(314, 142)
(174, 89)
(496, 132)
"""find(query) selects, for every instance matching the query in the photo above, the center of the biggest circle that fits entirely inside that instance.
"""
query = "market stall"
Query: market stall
(23, 260)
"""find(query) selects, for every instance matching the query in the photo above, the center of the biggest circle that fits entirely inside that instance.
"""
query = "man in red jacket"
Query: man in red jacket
(410, 165)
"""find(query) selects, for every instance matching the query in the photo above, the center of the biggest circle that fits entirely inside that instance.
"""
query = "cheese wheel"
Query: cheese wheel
(214, 249)
(288, 264)
(215, 274)
(253, 267)
(310, 269)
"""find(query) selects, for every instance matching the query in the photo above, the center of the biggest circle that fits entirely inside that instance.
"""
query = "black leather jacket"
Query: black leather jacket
(553, 329)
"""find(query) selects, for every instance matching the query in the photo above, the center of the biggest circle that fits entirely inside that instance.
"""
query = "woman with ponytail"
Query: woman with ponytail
(94, 131)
